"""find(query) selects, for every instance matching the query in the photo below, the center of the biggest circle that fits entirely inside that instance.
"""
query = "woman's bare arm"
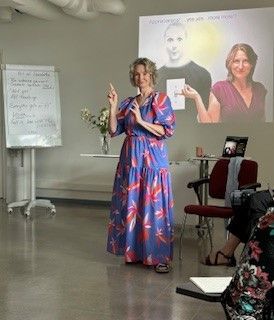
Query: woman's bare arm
(212, 114)
(113, 105)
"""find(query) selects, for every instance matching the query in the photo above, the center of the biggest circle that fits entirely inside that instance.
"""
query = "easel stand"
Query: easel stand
(33, 202)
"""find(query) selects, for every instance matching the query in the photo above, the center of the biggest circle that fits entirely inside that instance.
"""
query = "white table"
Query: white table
(99, 155)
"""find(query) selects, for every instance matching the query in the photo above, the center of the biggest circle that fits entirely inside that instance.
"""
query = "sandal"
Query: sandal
(231, 261)
(162, 268)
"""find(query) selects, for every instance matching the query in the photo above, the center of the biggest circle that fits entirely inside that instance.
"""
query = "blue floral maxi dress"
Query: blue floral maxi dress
(141, 214)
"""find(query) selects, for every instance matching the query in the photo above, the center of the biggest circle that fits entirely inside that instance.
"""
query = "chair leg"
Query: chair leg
(209, 233)
(181, 237)
(226, 223)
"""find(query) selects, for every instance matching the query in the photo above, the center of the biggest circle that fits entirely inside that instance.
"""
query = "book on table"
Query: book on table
(211, 284)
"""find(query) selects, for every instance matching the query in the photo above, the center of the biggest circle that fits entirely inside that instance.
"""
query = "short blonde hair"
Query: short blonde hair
(149, 65)
(178, 25)
(251, 55)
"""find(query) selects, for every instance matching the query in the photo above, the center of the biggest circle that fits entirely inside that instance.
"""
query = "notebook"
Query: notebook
(234, 146)
(211, 284)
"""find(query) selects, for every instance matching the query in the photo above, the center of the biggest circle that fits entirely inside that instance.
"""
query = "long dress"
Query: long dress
(141, 215)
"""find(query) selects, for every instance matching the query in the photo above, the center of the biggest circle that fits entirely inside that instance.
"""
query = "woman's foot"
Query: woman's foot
(220, 259)
(162, 268)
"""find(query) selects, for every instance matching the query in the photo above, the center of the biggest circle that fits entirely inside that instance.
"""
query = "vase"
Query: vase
(105, 143)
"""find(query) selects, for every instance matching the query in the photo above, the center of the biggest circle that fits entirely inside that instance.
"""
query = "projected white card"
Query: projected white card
(174, 91)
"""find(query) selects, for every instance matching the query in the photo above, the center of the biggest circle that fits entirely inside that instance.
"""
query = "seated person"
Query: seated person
(250, 294)
(240, 227)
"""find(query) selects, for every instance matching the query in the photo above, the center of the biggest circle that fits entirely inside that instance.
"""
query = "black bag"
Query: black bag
(248, 207)
(240, 198)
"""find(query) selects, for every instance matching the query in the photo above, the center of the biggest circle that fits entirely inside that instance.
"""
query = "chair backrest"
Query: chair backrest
(217, 183)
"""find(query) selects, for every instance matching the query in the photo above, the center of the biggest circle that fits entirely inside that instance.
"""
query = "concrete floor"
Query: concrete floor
(57, 268)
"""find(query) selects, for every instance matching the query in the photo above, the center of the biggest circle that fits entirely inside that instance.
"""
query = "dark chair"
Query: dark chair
(216, 185)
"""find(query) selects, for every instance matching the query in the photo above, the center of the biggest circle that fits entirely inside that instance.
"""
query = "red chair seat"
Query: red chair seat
(209, 211)
(217, 182)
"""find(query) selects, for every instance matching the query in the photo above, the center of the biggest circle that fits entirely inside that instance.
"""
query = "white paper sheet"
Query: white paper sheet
(211, 284)
(174, 88)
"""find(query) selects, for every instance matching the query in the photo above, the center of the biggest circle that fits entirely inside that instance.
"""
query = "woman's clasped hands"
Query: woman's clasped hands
(135, 109)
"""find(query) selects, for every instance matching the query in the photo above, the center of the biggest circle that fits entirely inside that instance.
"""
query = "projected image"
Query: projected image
(227, 71)
(230, 148)
(178, 65)
(238, 98)
(234, 146)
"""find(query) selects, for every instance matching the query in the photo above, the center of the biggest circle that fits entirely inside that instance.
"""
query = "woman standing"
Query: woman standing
(141, 217)
(237, 99)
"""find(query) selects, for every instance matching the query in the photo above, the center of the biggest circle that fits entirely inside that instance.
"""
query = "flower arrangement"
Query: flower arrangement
(100, 121)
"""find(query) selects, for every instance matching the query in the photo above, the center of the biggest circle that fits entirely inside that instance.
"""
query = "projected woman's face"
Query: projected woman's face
(240, 66)
(175, 41)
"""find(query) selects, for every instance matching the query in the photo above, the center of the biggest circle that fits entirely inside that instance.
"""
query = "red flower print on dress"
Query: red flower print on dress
(255, 250)
(111, 225)
(153, 192)
(130, 255)
(123, 193)
(160, 237)
(160, 214)
(146, 226)
(151, 261)
(247, 274)
(147, 158)
(154, 143)
(262, 276)
(259, 288)
(160, 105)
(134, 186)
(134, 162)
(121, 228)
(132, 215)
(266, 220)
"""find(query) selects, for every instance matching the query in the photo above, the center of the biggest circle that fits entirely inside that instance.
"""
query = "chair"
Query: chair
(216, 184)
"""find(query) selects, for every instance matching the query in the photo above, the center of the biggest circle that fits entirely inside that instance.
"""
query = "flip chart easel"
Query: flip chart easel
(33, 202)
(32, 118)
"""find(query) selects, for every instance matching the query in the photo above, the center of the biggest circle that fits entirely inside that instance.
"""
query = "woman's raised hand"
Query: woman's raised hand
(189, 92)
(112, 97)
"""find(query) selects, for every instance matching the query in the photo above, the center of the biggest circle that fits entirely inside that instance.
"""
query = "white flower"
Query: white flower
(100, 122)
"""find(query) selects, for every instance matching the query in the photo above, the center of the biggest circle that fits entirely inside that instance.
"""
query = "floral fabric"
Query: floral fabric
(141, 216)
(250, 295)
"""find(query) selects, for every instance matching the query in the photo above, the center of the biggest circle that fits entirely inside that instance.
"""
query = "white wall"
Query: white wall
(90, 54)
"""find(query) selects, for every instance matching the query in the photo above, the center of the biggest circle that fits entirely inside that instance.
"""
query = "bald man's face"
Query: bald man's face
(175, 41)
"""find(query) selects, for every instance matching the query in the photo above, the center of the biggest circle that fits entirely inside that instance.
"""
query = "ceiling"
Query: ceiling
(53, 9)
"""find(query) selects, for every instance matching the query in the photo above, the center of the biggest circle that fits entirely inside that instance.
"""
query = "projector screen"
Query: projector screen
(223, 60)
